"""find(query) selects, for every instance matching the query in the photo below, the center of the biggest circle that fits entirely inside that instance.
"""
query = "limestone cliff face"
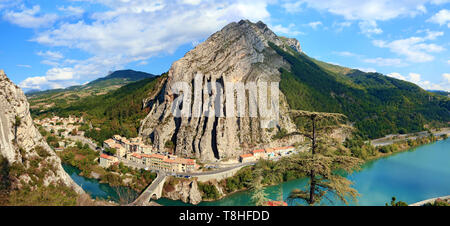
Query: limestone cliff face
(239, 53)
(19, 138)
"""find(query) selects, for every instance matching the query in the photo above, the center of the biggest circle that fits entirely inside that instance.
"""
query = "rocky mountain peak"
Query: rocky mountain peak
(238, 53)
(20, 140)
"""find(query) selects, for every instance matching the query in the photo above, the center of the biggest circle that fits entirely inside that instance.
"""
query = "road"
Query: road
(388, 140)
(84, 140)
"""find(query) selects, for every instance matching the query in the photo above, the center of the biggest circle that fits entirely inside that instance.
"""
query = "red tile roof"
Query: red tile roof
(136, 155)
(158, 156)
(105, 156)
(246, 156)
(258, 151)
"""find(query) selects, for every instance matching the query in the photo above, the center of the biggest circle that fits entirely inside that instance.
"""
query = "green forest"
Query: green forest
(377, 104)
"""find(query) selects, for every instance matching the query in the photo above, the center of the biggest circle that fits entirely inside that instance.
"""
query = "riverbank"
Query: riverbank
(407, 143)
(85, 160)
(236, 184)
(394, 138)
(410, 176)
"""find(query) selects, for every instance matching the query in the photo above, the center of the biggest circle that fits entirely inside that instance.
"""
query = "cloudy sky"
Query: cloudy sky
(57, 43)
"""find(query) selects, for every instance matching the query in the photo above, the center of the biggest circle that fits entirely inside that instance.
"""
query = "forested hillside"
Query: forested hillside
(377, 104)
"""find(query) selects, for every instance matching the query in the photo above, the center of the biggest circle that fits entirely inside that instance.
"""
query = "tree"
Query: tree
(399, 203)
(110, 151)
(259, 196)
(321, 163)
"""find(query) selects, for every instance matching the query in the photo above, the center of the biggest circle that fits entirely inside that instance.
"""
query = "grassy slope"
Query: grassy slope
(379, 105)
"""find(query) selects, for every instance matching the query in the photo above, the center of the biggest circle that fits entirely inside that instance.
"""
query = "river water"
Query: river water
(99, 190)
(418, 174)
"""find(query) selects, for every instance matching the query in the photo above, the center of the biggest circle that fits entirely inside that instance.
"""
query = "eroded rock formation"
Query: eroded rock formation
(239, 53)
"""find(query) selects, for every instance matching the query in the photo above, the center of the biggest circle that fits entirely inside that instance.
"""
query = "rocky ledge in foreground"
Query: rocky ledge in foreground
(27, 160)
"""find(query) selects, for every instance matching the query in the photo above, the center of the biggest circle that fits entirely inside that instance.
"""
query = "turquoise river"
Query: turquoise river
(411, 176)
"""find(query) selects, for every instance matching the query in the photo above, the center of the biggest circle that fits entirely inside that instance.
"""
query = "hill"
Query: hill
(41, 100)
(440, 92)
(377, 104)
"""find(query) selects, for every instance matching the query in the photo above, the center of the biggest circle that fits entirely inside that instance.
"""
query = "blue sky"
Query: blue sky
(58, 43)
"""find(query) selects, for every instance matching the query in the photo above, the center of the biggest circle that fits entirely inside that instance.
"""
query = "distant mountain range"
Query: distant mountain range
(113, 81)
(116, 78)
(440, 92)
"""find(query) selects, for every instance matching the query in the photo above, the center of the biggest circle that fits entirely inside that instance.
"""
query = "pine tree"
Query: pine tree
(321, 163)
(259, 196)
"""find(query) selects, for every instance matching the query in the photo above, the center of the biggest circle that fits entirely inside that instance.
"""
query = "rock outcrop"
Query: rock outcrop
(20, 139)
(185, 190)
(239, 53)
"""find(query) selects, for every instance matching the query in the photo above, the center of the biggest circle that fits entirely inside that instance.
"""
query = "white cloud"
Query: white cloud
(441, 18)
(134, 31)
(192, 2)
(57, 74)
(9, 3)
(50, 54)
(71, 10)
(292, 7)
(314, 24)
(367, 10)
(397, 76)
(367, 70)
(341, 25)
(414, 77)
(369, 27)
(425, 84)
(370, 9)
(33, 82)
(24, 65)
(55, 78)
(347, 54)
(414, 48)
(446, 77)
(144, 62)
(386, 61)
(290, 30)
(30, 18)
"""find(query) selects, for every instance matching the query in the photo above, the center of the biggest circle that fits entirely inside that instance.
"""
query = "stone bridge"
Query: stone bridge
(154, 190)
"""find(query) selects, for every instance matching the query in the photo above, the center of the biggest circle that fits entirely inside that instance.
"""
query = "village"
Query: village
(64, 128)
(134, 151)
